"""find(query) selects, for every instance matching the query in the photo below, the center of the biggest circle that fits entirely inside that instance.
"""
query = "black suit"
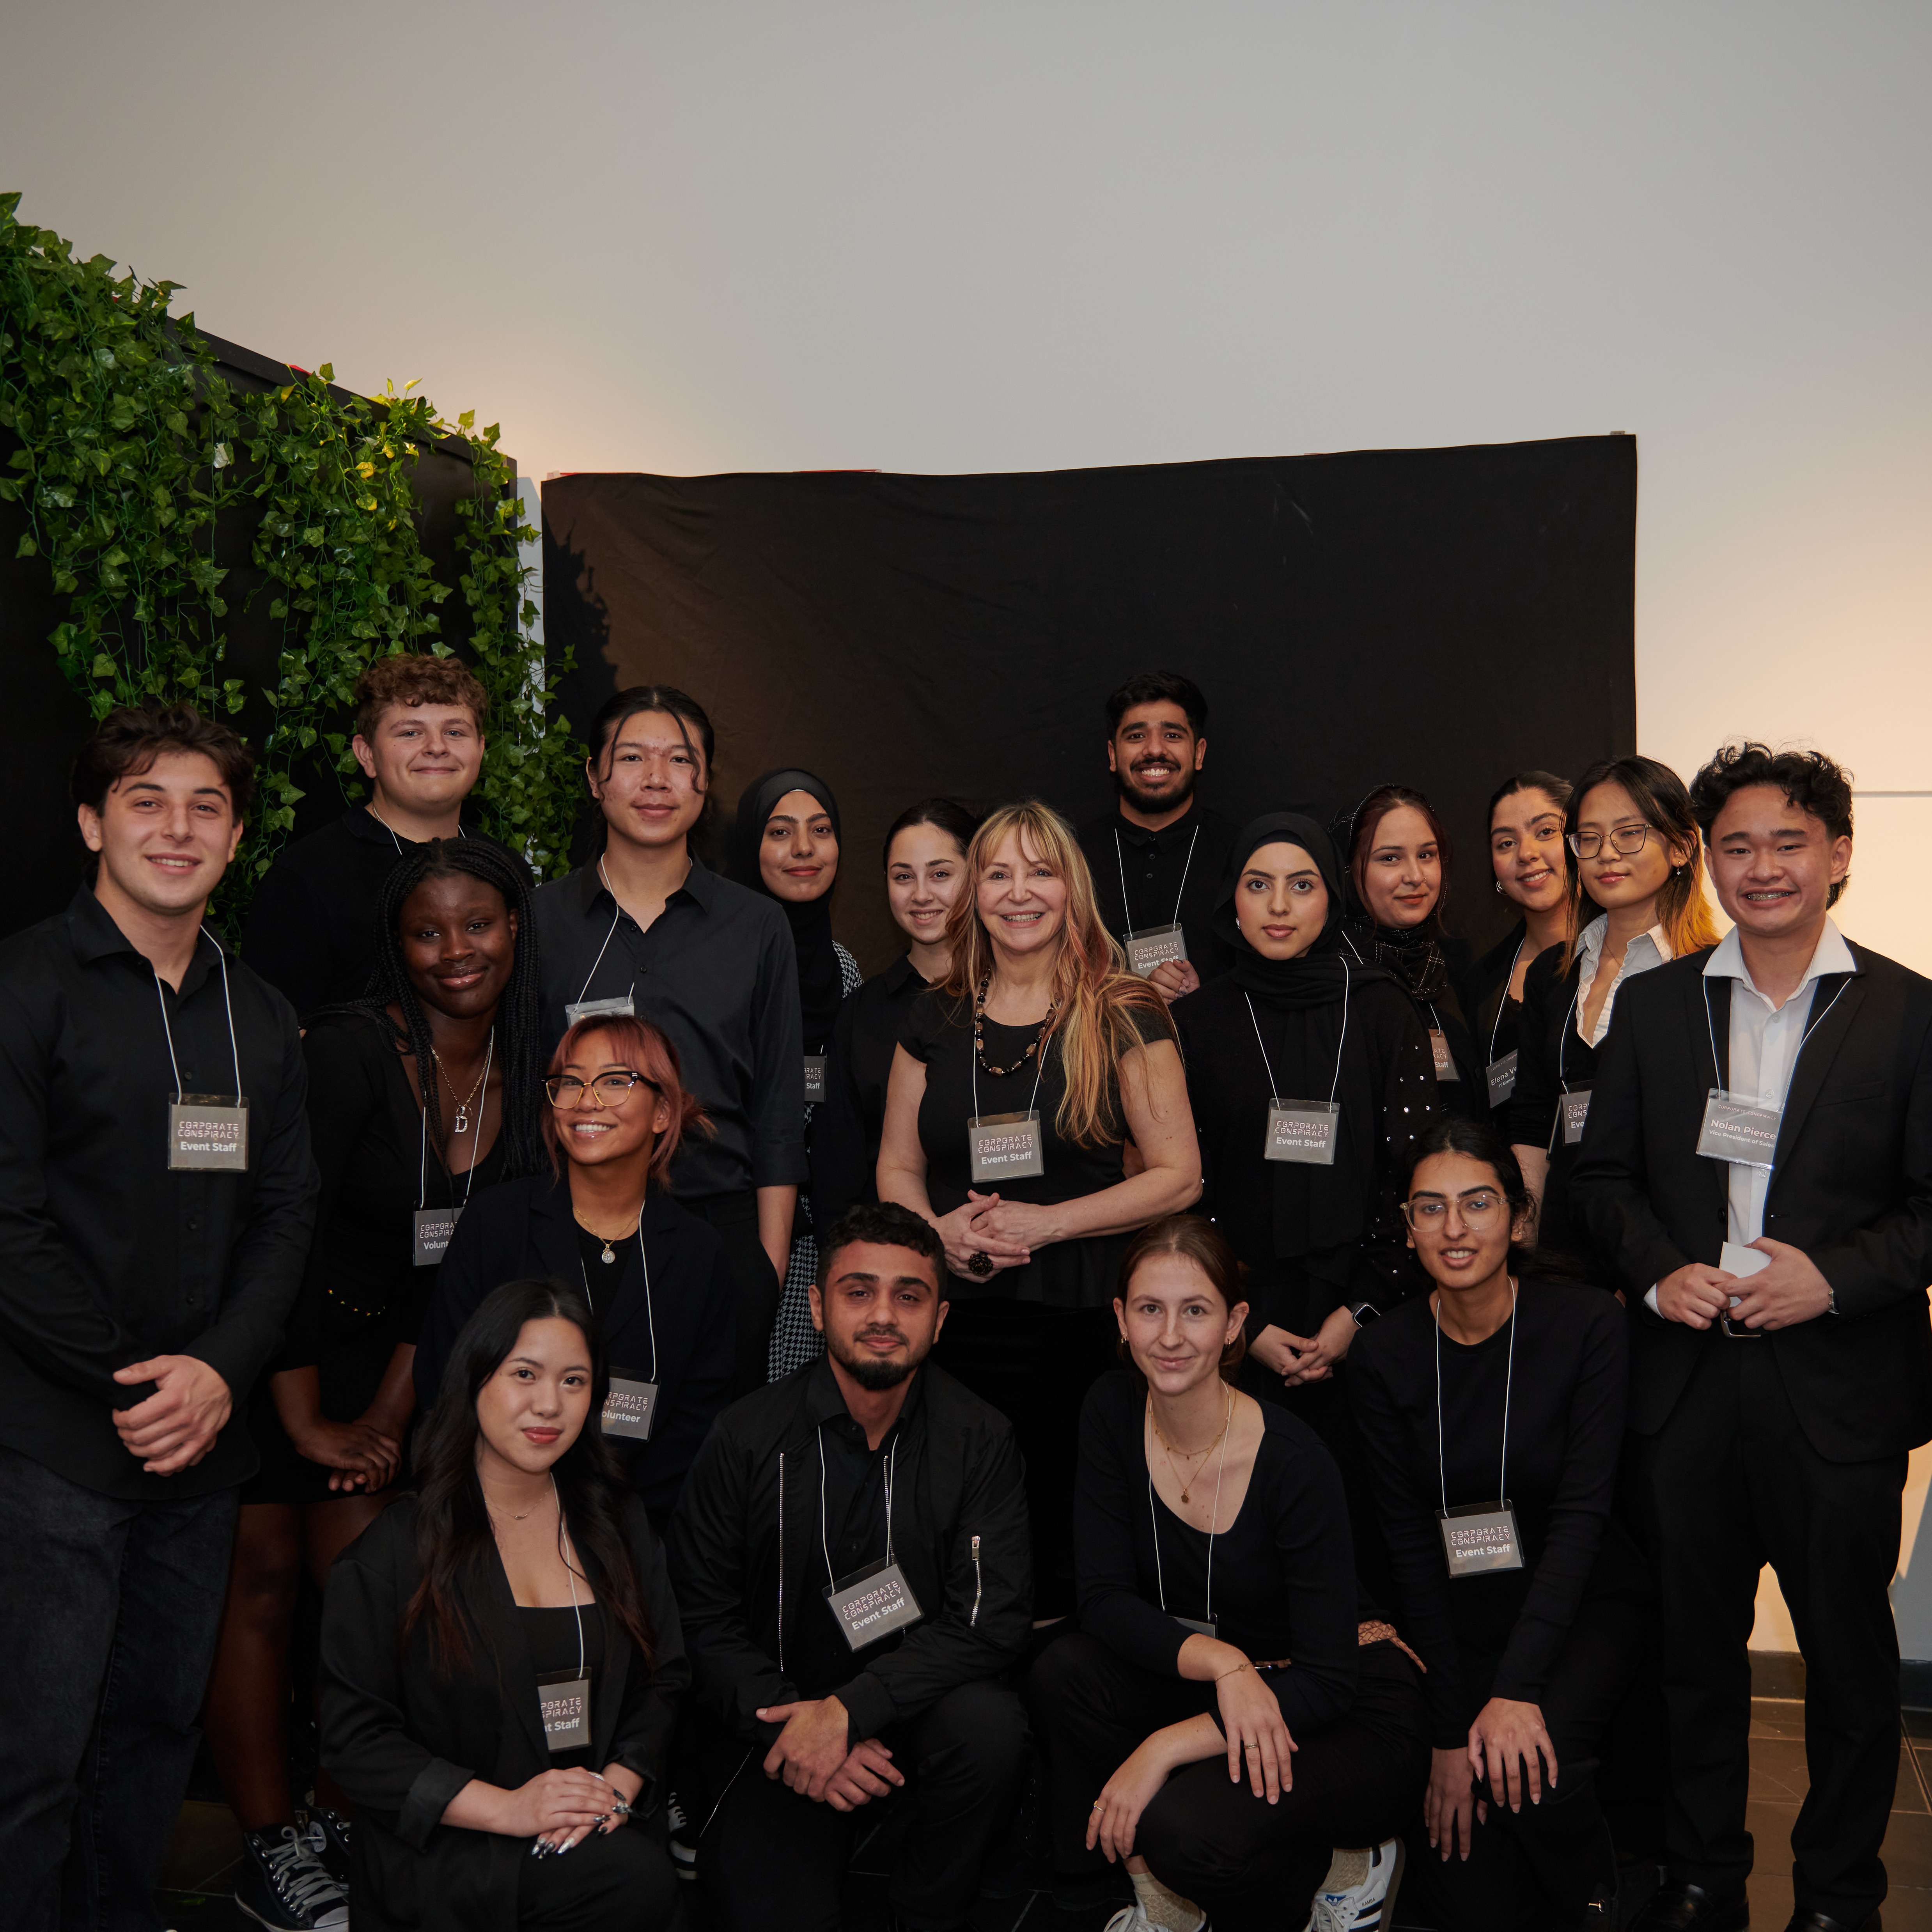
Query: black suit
(1789, 1448)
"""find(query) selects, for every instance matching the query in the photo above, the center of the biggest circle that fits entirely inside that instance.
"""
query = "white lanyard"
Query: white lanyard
(1503, 1000)
(422, 1155)
(824, 1543)
(1039, 1069)
(392, 830)
(1563, 1039)
(1509, 1379)
(1120, 861)
(1274, 1092)
(1213, 1518)
(650, 1318)
(228, 1004)
(615, 917)
(1718, 1064)
(570, 1570)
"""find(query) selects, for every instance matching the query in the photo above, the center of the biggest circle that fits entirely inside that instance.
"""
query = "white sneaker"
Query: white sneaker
(1133, 1918)
(1358, 1894)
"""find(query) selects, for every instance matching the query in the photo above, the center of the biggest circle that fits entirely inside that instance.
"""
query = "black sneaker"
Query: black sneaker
(683, 1844)
(286, 1888)
(327, 1832)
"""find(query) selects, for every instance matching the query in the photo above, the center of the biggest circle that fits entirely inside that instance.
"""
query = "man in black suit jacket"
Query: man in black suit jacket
(1781, 1358)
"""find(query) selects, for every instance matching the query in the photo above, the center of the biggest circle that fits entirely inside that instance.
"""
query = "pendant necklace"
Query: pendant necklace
(1186, 1455)
(461, 1123)
(980, 1036)
(609, 1256)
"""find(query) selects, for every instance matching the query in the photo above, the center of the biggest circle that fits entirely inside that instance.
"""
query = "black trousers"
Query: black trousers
(108, 1617)
(754, 1285)
(1251, 1866)
(619, 1883)
(1728, 1483)
(768, 1856)
(1035, 1365)
(1540, 1866)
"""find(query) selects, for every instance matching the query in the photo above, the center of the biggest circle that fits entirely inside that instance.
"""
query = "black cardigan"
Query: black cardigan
(403, 1740)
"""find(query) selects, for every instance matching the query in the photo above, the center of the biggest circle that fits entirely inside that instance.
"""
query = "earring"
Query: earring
(1498, 884)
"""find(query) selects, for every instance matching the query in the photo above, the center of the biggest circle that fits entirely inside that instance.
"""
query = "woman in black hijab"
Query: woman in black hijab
(785, 845)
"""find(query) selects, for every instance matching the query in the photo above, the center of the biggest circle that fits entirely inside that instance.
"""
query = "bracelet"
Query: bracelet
(1235, 1673)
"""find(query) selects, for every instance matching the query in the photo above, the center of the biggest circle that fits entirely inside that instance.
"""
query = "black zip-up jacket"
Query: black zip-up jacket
(746, 1560)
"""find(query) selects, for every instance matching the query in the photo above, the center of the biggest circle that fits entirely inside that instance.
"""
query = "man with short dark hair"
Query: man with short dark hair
(1757, 1166)
(850, 1559)
(156, 1197)
(310, 928)
(1156, 857)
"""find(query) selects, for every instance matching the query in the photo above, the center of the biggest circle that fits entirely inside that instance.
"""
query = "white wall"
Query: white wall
(1014, 236)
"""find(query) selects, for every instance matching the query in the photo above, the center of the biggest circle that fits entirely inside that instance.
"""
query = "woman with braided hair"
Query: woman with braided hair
(421, 1095)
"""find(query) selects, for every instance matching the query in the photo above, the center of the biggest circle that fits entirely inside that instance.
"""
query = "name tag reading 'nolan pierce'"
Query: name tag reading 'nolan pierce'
(1302, 1131)
(1006, 1147)
(1154, 945)
(1477, 1538)
(618, 1008)
(434, 1228)
(1739, 1127)
(629, 1408)
(873, 1604)
(208, 1132)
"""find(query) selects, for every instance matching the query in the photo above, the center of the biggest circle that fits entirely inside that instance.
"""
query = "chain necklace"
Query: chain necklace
(1169, 1451)
(979, 1037)
(461, 1123)
(609, 1256)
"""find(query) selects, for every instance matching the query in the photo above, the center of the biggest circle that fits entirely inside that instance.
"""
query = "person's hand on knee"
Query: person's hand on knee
(1509, 1746)
(1449, 1803)
(812, 1748)
(868, 1772)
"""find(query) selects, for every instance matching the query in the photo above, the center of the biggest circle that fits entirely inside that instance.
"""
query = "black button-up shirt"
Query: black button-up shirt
(1144, 878)
(718, 972)
(107, 1256)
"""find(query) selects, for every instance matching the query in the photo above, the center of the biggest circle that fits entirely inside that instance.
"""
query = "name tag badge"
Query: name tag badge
(1155, 945)
(1740, 1128)
(1576, 1111)
(563, 1702)
(1194, 1629)
(814, 1077)
(209, 1133)
(873, 1604)
(1502, 1078)
(628, 1409)
(434, 1228)
(621, 1008)
(1479, 1537)
(1006, 1147)
(1445, 1060)
(1302, 1131)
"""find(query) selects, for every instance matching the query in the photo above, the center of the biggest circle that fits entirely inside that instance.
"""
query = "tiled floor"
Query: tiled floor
(206, 1845)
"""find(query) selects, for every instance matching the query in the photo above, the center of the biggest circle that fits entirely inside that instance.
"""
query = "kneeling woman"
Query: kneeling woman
(501, 1655)
(1522, 1594)
(1212, 1548)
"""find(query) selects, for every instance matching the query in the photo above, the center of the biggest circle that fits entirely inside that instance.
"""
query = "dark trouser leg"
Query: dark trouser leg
(961, 1760)
(1832, 1531)
(754, 1287)
(620, 1883)
(768, 1857)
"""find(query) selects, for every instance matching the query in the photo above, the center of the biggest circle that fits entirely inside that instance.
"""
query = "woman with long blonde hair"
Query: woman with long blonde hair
(1026, 1084)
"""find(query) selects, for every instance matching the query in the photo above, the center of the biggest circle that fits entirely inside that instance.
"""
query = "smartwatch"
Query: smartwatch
(1364, 1312)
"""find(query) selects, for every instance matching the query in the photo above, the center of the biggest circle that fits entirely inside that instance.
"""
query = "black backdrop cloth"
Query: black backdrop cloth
(1440, 617)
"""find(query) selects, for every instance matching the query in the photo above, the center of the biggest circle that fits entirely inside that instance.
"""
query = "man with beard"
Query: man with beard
(849, 1556)
(1156, 858)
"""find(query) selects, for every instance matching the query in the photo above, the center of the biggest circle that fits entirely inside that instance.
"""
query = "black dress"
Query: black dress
(362, 1295)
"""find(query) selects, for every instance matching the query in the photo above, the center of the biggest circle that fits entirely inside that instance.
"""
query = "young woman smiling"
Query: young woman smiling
(514, 1615)
(1494, 1409)
(1035, 1018)
(1639, 870)
(1213, 1545)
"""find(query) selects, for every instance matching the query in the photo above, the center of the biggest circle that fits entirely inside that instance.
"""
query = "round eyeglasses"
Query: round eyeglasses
(1628, 840)
(1478, 1210)
(566, 1090)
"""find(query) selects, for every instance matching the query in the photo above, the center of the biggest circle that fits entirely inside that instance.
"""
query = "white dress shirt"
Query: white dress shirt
(1646, 950)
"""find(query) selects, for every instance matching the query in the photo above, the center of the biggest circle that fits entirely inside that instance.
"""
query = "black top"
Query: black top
(717, 972)
(679, 1335)
(1079, 1273)
(1552, 1058)
(1284, 1566)
(362, 1283)
(1340, 1225)
(1566, 1431)
(562, 1638)
(1494, 1017)
(1155, 865)
(311, 930)
(107, 1255)
(1466, 1091)
(849, 1123)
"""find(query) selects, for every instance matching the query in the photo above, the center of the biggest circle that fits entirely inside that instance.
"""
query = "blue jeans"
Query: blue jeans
(108, 1621)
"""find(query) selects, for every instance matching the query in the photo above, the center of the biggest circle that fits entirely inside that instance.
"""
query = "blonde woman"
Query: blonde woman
(1016, 1088)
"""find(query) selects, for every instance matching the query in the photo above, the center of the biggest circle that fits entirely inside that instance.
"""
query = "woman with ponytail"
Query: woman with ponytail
(501, 1654)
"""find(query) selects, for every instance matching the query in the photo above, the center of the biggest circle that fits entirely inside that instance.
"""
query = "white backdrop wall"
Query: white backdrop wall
(698, 237)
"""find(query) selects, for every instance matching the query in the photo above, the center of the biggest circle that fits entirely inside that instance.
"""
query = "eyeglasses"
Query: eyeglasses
(1479, 1210)
(565, 1090)
(1627, 839)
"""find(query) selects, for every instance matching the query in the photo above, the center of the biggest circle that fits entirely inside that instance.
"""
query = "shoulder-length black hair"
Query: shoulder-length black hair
(453, 1539)
(1480, 1141)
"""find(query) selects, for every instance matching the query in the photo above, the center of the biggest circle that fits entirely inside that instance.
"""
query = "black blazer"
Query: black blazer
(1851, 1185)
(524, 1229)
(403, 1739)
(1552, 1059)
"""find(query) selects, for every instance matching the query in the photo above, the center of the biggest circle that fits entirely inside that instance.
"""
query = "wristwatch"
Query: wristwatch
(1364, 1312)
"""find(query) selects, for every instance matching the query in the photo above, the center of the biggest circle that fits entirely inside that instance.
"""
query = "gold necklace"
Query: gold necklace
(1186, 1455)
(461, 1123)
(609, 1256)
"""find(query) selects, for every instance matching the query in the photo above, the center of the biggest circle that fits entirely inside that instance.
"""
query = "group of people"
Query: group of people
(712, 1393)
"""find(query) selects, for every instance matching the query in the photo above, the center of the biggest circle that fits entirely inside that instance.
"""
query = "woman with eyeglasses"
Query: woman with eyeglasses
(1492, 1413)
(601, 1222)
(1636, 901)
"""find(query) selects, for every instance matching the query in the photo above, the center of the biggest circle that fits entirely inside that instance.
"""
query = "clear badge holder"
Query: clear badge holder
(433, 1227)
(1154, 945)
(1575, 1104)
(814, 1077)
(1739, 1128)
(1006, 1147)
(622, 1006)
(1302, 1131)
(563, 1700)
(209, 1133)
(1445, 1060)
(1501, 1076)
(1195, 1627)
(1478, 1538)
(629, 1408)
(873, 1604)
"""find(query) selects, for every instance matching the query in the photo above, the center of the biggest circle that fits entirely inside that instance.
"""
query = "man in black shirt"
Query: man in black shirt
(1156, 858)
(850, 1559)
(156, 1197)
(310, 928)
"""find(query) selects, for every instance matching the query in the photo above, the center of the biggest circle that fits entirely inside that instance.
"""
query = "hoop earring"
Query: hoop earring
(1498, 884)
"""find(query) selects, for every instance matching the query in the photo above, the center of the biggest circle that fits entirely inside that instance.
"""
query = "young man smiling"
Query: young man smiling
(1758, 1166)
(156, 1197)
(850, 1559)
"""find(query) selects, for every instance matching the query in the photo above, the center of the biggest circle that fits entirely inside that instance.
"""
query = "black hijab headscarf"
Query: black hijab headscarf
(820, 984)
(1314, 978)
